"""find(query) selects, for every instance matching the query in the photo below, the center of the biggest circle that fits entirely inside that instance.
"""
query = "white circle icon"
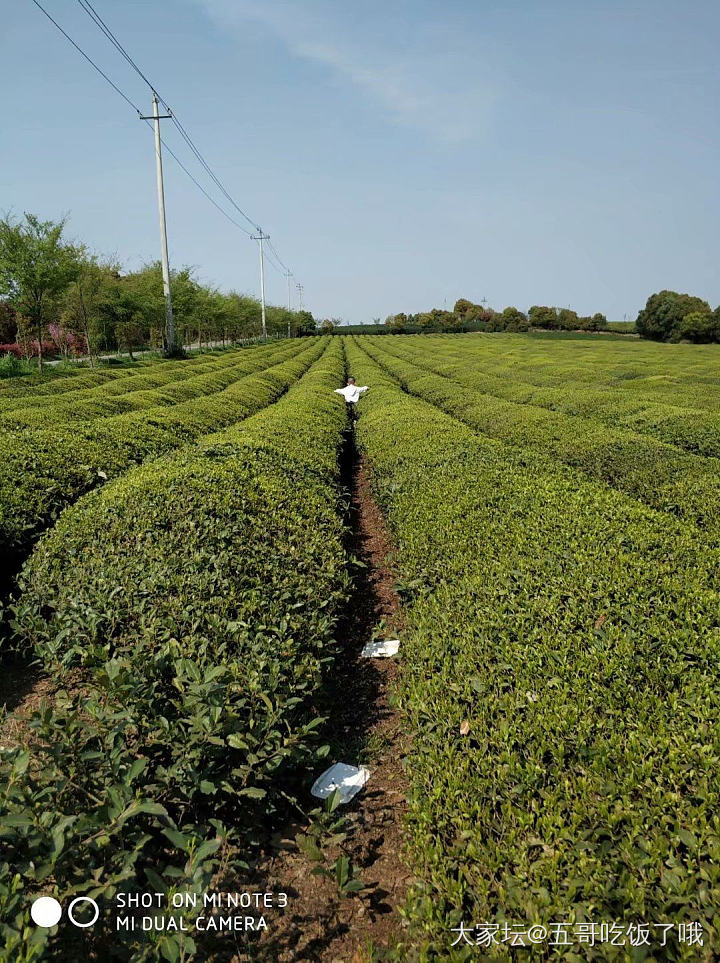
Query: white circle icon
(83, 899)
(46, 911)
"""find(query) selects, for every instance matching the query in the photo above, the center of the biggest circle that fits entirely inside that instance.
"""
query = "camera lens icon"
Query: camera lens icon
(46, 911)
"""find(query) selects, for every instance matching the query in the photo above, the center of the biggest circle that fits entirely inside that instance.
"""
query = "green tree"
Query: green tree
(189, 303)
(700, 328)
(214, 309)
(466, 309)
(438, 320)
(84, 300)
(398, 322)
(280, 320)
(662, 317)
(306, 323)
(244, 316)
(130, 334)
(568, 320)
(36, 267)
(124, 313)
(598, 322)
(8, 323)
(541, 316)
(512, 319)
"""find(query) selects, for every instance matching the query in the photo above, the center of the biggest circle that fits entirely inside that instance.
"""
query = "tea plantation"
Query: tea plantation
(560, 671)
(180, 567)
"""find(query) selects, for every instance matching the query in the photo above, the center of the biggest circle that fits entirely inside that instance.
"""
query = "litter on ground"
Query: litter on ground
(382, 649)
(349, 780)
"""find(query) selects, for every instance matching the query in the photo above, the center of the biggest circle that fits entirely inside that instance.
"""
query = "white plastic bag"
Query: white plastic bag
(349, 780)
(382, 649)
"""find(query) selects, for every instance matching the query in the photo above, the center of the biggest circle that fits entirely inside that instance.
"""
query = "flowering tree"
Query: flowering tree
(35, 269)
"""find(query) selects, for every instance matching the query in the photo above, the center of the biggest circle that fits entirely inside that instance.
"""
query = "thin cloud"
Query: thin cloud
(428, 82)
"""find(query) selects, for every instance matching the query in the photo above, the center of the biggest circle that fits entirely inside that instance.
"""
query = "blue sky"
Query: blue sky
(400, 154)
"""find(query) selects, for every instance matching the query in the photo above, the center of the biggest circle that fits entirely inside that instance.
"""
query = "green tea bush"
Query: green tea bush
(127, 393)
(206, 382)
(191, 605)
(680, 375)
(44, 470)
(650, 470)
(693, 429)
(54, 382)
(559, 683)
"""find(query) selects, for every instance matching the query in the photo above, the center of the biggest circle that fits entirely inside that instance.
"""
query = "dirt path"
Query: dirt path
(319, 923)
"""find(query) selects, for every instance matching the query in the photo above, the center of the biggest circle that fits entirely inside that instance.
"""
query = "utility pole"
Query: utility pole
(300, 294)
(262, 237)
(169, 322)
(288, 275)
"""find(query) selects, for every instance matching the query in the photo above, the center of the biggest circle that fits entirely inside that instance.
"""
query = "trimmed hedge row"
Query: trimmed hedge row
(150, 375)
(673, 374)
(42, 471)
(32, 385)
(559, 680)
(191, 607)
(652, 471)
(95, 383)
(676, 424)
(143, 391)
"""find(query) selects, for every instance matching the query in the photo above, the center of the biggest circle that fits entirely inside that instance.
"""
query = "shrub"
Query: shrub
(193, 604)
(558, 674)
(46, 469)
(645, 468)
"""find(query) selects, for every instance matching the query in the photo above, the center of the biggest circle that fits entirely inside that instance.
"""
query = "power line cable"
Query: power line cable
(271, 260)
(107, 32)
(94, 15)
(87, 6)
(277, 256)
(188, 140)
(199, 185)
(137, 110)
(89, 59)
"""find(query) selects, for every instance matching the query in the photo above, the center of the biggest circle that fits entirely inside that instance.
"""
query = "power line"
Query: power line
(97, 19)
(94, 15)
(271, 260)
(89, 59)
(186, 137)
(279, 259)
(137, 110)
(199, 185)
(89, 9)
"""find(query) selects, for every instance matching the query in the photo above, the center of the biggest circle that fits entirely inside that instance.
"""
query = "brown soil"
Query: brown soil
(23, 689)
(319, 923)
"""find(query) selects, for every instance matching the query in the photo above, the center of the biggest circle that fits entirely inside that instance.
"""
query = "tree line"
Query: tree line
(59, 298)
(667, 316)
(467, 316)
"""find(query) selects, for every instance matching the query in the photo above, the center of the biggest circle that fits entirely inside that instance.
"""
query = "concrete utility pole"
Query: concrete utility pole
(169, 322)
(288, 275)
(262, 237)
